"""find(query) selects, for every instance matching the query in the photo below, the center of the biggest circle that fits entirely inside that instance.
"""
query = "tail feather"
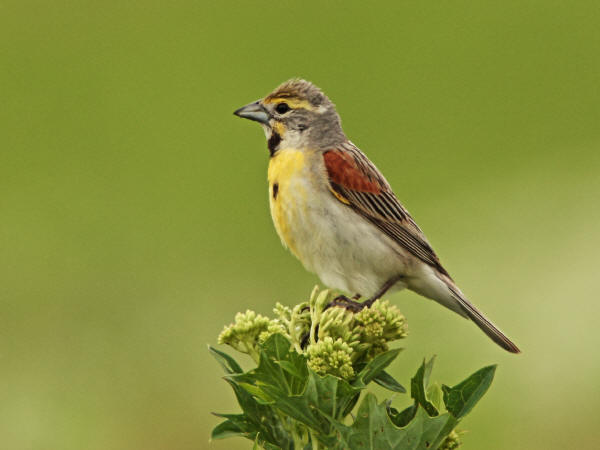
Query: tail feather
(439, 287)
(483, 323)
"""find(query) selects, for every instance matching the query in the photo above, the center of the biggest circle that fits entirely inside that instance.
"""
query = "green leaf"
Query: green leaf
(239, 425)
(266, 374)
(260, 443)
(291, 369)
(385, 380)
(350, 406)
(435, 395)
(331, 395)
(376, 366)
(325, 398)
(431, 431)
(258, 418)
(247, 402)
(279, 367)
(373, 429)
(227, 362)
(277, 347)
(283, 380)
(376, 425)
(401, 419)
(418, 387)
(461, 398)
(297, 407)
(257, 392)
(282, 394)
(226, 429)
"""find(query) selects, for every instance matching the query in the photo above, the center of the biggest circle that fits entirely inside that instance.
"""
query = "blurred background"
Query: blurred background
(134, 210)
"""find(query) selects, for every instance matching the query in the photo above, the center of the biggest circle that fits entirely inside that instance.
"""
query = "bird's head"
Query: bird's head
(296, 115)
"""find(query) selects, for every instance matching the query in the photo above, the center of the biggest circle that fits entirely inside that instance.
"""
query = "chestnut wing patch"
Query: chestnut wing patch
(356, 182)
(343, 170)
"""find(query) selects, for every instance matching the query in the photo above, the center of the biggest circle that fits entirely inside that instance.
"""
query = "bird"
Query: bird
(335, 211)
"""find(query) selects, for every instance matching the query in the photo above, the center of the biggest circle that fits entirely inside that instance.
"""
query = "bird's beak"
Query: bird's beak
(254, 111)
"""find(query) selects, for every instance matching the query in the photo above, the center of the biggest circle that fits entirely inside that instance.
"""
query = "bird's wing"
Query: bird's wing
(356, 182)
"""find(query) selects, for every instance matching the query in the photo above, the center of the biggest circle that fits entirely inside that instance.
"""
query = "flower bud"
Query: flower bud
(331, 357)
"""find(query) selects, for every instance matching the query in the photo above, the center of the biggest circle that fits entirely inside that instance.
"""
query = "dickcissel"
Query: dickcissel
(337, 213)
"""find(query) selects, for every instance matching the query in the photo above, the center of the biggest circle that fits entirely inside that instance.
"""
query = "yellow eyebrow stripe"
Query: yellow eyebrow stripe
(294, 103)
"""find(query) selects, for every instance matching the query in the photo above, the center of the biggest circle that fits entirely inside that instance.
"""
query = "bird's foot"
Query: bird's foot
(304, 340)
(351, 304)
(348, 303)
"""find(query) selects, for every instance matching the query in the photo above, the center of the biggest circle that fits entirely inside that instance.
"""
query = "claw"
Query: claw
(304, 341)
(351, 304)
(345, 302)
(305, 338)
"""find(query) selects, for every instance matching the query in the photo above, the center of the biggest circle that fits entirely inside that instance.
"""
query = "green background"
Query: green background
(134, 213)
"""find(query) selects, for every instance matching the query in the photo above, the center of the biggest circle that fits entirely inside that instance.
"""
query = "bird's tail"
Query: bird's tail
(441, 288)
(482, 322)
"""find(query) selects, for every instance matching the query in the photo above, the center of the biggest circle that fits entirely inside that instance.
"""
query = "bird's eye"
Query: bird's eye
(282, 108)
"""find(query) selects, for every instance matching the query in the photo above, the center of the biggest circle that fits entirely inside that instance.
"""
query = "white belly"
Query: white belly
(345, 250)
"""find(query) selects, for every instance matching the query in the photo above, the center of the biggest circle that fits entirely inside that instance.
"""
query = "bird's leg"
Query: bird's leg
(345, 302)
(381, 292)
(354, 306)
(304, 340)
(341, 300)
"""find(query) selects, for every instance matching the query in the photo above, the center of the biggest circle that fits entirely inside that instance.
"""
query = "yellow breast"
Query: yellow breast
(287, 195)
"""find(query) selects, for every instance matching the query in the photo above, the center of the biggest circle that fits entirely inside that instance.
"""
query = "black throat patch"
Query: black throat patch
(274, 142)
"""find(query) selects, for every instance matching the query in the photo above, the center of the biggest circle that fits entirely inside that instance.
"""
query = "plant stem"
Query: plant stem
(314, 441)
(313, 328)
(298, 444)
(252, 352)
(292, 331)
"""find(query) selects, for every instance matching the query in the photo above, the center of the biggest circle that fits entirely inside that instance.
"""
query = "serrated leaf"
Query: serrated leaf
(431, 430)
(323, 398)
(258, 418)
(402, 418)
(461, 398)
(330, 395)
(385, 380)
(373, 430)
(227, 362)
(283, 388)
(418, 387)
(326, 399)
(298, 408)
(283, 379)
(279, 367)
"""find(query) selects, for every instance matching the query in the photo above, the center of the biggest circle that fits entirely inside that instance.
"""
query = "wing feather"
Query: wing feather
(357, 183)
